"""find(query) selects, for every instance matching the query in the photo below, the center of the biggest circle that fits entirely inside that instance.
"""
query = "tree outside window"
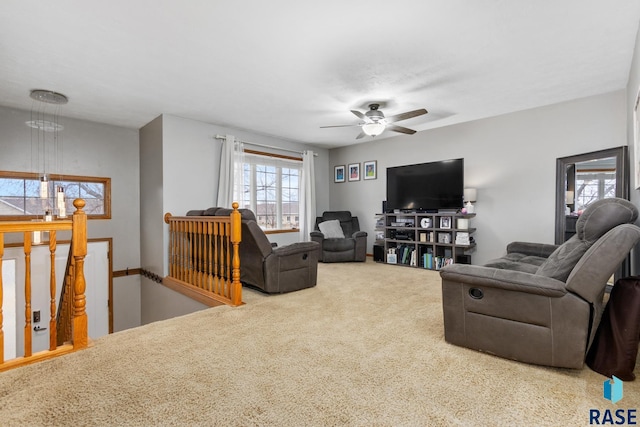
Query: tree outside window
(271, 188)
(20, 195)
(592, 186)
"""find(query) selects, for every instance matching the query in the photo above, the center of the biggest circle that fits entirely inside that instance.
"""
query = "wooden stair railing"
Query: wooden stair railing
(79, 336)
(204, 259)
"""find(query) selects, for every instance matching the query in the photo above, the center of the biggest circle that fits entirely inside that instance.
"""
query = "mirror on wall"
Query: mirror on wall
(585, 178)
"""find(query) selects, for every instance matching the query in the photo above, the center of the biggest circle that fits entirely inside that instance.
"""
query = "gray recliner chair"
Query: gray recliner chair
(341, 240)
(267, 267)
(541, 303)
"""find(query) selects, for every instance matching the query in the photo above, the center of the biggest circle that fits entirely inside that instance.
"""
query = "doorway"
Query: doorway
(97, 277)
(9, 307)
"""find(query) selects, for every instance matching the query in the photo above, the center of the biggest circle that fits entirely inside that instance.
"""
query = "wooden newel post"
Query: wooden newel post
(79, 245)
(236, 238)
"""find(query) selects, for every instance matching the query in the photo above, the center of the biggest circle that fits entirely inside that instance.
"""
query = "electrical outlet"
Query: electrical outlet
(36, 316)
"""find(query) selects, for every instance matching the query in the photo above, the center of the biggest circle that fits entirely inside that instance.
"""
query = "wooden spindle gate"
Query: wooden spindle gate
(78, 227)
(204, 259)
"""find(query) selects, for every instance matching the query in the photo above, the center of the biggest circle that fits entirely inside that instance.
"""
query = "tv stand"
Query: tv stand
(426, 240)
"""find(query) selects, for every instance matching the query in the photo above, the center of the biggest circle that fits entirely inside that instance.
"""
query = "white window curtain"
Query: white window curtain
(307, 196)
(231, 175)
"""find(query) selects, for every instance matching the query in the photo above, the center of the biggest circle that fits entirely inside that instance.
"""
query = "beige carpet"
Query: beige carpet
(363, 348)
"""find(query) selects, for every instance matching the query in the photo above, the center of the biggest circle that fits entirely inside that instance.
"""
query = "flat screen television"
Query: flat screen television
(426, 187)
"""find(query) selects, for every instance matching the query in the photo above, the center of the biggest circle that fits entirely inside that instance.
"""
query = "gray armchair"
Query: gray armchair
(267, 267)
(342, 240)
(540, 303)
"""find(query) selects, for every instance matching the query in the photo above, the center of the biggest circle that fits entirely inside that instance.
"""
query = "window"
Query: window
(594, 185)
(20, 195)
(271, 188)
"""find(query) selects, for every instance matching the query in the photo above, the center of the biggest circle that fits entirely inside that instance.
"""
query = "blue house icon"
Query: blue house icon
(613, 389)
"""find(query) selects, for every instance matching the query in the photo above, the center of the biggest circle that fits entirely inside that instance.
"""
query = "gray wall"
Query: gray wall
(192, 159)
(151, 197)
(94, 149)
(510, 159)
(179, 167)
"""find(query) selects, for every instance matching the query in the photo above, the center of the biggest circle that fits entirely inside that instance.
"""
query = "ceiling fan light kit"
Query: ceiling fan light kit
(373, 129)
(375, 122)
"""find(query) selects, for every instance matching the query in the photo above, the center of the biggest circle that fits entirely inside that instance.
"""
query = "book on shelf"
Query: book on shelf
(404, 251)
(405, 254)
(427, 260)
(440, 261)
(425, 257)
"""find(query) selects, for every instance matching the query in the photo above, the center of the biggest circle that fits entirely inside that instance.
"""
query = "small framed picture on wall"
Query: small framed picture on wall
(338, 174)
(354, 172)
(370, 169)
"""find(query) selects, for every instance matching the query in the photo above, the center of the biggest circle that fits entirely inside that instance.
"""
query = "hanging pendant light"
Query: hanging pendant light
(62, 209)
(44, 186)
(46, 145)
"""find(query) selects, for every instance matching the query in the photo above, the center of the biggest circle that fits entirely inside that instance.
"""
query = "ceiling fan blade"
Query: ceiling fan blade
(407, 115)
(401, 129)
(338, 126)
(359, 114)
(361, 135)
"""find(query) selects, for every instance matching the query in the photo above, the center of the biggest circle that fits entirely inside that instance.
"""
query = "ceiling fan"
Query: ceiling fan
(375, 122)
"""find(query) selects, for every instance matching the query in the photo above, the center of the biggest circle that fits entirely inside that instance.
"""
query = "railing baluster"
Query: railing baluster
(176, 250)
(53, 339)
(183, 248)
(227, 251)
(27, 294)
(180, 249)
(216, 258)
(72, 280)
(189, 252)
(199, 255)
(209, 257)
(171, 250)
(192, 261)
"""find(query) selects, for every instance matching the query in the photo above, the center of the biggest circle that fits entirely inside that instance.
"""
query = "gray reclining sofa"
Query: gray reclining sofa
(541, 303)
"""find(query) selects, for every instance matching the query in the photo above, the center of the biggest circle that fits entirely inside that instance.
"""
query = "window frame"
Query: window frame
(59, 177)
(279, 200)
(597, 178)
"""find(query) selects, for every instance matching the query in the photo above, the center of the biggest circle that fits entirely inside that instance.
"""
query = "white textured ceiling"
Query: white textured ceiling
(287, 67)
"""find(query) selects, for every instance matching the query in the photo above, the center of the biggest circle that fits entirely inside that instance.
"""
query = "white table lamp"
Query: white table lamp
(470, 195)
